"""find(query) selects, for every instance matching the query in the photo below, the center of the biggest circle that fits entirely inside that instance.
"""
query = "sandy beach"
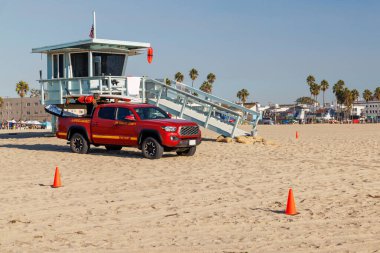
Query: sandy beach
(229, 197)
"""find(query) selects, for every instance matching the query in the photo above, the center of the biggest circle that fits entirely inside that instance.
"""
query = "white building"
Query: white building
(370, 109)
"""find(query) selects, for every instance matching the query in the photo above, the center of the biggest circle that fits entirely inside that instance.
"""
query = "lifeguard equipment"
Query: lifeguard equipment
(150, 55)
(85, 99)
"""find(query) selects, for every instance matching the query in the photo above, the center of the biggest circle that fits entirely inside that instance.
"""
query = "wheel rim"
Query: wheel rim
(150, 148)
(78, 144)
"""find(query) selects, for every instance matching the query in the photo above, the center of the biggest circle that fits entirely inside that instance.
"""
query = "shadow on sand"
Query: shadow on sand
(269, 210)
(24, 135)
(93, 151)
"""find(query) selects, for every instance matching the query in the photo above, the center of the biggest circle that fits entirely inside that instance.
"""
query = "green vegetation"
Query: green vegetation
(376, 93)
(193, 75)
(306, 101)
(367, 95)
(211, 78)
(206, 87)
(22, 89)
(324, 86)
(179, 77)
(243, 95)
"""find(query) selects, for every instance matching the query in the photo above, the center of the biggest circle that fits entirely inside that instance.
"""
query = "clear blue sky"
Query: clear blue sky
(267, 47)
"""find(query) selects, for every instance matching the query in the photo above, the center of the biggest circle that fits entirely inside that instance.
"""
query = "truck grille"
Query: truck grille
(189, 130)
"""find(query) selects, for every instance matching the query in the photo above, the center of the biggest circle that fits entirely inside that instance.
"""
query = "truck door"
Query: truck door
(103, 125)
(125, 126)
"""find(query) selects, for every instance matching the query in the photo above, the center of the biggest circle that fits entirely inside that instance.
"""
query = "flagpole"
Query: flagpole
(94, 23)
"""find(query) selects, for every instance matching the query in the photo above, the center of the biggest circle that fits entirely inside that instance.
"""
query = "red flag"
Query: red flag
(92, 32)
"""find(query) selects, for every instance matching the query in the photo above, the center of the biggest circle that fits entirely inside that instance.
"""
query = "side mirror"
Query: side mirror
(170, 116)
(130, 118)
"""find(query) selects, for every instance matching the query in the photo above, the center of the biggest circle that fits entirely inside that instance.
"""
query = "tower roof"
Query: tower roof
(104, 45)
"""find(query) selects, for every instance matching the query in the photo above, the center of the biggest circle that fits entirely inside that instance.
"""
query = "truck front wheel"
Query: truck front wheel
(187, 152)
(79, 144)
(152, 149)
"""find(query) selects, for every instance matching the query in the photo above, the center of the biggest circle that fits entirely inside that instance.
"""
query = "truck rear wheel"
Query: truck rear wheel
(79, 144)
(187, 152)
(152, 149)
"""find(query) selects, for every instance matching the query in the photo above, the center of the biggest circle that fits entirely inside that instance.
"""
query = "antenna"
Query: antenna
(94, 23)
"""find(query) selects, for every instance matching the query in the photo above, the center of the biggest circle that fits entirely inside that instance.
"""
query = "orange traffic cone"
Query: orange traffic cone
(296, 135)
(291, 205)
(57, 179)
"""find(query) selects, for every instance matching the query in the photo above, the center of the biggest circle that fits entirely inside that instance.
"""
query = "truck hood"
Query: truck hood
(170, 122)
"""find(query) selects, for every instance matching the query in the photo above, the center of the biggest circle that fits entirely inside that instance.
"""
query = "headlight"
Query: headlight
(170, 128)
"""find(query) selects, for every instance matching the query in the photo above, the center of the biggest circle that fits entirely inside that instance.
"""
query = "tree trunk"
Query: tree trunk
(323, 99)
(21, 110)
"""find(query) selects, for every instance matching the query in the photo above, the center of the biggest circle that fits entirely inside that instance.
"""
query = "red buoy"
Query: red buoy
(85, 99)
(150, 55)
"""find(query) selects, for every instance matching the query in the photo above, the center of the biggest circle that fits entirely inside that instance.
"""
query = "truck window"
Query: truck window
(107, 113)
(151, 113)
(122, 113)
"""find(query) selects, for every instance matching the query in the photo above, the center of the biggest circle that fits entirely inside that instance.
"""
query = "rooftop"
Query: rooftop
(130, 47)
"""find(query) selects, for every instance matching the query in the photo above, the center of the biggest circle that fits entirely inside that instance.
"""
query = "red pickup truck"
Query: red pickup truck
(118, 125)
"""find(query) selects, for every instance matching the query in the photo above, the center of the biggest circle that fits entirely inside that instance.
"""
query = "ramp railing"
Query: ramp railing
(209, 111)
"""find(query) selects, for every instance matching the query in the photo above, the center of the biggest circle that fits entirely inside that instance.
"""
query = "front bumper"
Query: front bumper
(185, 143)
(175, 141)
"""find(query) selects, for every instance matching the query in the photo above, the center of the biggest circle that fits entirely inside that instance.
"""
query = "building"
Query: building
(369, 110)
(32, 109)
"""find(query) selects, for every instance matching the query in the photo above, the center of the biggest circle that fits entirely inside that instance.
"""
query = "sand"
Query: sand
(229, 197)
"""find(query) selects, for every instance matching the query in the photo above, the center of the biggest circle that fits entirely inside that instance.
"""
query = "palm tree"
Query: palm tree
(22, 89)
(238, 95)
(324, 86)
(206, 87)
(211, 78)
(376, 93)
(179, 77)
(348, 100)
(314, 90)
(193, 75)
(243, 95)
(367, 95)
(310, 80)
(337, 90)
(355, 94)
(168, 82)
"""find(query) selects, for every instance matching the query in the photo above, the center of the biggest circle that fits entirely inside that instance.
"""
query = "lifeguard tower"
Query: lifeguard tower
(100, 66)
(87, 67)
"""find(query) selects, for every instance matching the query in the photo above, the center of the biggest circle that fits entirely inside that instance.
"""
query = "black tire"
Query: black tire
(113, 148)
(79, 144)
(152, 149)
(187, 152)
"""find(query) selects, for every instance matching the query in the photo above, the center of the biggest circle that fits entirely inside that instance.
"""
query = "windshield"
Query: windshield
(151, 113)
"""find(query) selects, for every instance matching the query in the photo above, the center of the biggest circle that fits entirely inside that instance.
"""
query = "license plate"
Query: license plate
(192, 142)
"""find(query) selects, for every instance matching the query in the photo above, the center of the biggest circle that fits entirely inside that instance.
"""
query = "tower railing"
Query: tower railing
(57, 88)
